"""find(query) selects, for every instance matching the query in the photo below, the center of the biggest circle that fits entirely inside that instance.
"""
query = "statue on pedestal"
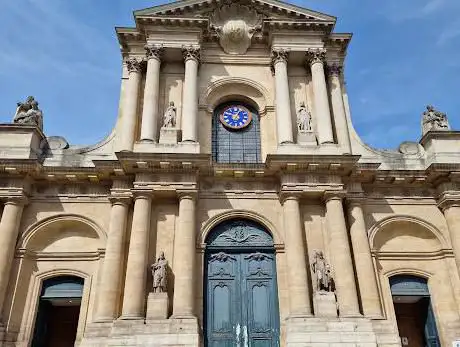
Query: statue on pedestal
(323, 273)
(159, 274)
(434, 120)
(28, 113)
(169, 118)
(303, 118)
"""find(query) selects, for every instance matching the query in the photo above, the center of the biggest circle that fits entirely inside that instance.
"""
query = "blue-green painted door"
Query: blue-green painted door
(241, 305)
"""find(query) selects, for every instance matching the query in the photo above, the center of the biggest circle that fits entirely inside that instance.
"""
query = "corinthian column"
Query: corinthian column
(136, 269)
(184, 258)
(299, 296)
(341, 257)
(9, 228)
(283, 103)
(338, 108)
(316, 59)
(110, 286)
(450, 206)
(129, 117)
(190, 98)
(365, 272)
(151, 94)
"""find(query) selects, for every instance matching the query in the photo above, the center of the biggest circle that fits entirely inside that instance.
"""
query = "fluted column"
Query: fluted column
(341, 257)
(9, 228)
(338, 108)
(299, 296)
(129, 117)
(149, 128)
(184, 257)
(365, 272)
(110, 285)
(451, 209)
(136, 269)
(322, 115)
(283, 103)
(190, 97)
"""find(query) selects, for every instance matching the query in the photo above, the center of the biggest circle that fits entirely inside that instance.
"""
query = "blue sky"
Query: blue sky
(404, 54)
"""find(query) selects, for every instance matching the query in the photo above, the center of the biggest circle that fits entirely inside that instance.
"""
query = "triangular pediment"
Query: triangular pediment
(270, 9)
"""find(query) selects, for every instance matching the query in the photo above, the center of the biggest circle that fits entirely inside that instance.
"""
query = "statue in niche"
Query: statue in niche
(303, 118)
(434, 120)
(159, 274)
(323, 273)
(28, 113)
(169, 118)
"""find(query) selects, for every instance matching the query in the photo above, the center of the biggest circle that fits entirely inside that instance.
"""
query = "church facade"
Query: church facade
(233, 204)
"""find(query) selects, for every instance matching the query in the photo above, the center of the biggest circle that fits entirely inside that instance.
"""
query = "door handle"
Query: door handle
(238, 331)
(245, 336)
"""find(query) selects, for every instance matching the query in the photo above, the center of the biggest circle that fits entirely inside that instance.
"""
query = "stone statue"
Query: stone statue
(28, 113)
(323, 273)
(169, 118)
(159, 273)
(434, 120)
(303, 118)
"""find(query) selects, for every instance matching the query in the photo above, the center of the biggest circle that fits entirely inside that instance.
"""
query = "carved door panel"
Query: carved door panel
(242, 306)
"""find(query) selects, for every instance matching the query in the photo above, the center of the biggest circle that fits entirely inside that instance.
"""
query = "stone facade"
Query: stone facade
(105, 212)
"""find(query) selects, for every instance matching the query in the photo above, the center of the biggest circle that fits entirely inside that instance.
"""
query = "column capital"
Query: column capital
(134, 64)
(334, 70)
(19, 200)
(330, 195)
(124, 200)
(448, 199)
(191, 52)
(153, 51)
(286, 196)
(142, 194)
(279, 55)
(187, 194)
(314, 56)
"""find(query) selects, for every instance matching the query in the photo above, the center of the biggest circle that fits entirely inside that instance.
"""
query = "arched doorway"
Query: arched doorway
(414, 313)
(58, 312)
(241, 297)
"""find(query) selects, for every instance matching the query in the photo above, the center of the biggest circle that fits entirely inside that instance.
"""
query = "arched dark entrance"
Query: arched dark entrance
(58, 312)
(414, 314)
(241, 297)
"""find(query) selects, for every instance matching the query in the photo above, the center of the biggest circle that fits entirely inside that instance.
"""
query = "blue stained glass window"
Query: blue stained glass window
(236, 145)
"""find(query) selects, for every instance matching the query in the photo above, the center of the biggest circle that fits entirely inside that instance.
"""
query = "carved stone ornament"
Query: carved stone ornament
(28, 113)
(316, 56)
(134, 64)
(334, 70)
(433, 120)
(159, 274)
(191, 52)
(279, 55)
(154, 51)
(323, 273)
(235, 25)
(303, 118)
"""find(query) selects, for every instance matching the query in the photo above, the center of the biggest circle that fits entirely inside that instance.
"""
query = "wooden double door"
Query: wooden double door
(241, 305)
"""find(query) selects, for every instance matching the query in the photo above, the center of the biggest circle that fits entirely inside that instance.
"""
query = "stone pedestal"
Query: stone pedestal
(157, 306)
(324, 304)
(307, 138)
(169, 136)
(21, 142)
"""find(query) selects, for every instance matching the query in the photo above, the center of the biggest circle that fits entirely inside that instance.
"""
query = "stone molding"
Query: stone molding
(134, 65)
(154, 51)
(314, 56)
(448, 200)
(191, 52)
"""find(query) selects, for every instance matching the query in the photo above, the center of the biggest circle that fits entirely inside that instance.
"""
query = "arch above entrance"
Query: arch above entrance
(240, 215)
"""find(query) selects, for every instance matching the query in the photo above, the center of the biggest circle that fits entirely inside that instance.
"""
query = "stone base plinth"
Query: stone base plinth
(166, 332)
(307, 138)
(324, 304)
(21, 142)
(349, 332)
(157, 306)
(169, 136)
